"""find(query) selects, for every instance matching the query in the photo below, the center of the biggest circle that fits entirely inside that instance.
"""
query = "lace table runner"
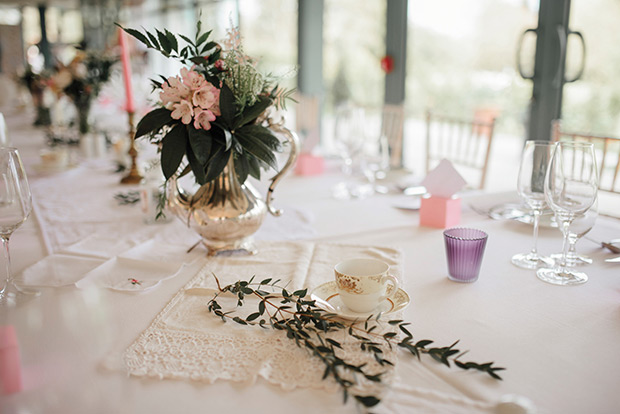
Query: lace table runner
(185, 341)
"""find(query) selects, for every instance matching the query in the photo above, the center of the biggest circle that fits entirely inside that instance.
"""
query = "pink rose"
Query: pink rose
(183, 111)
(207, 96)
(173, 91)
(202, 118)
(193, 80)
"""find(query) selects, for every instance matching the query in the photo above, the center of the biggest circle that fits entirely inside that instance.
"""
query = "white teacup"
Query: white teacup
(363, 283)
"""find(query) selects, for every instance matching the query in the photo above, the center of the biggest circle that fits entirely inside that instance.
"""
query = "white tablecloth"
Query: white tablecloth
(559, 344)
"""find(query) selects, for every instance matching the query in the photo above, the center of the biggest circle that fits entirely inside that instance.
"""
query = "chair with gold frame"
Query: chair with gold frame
(607, 151)
(464, 142)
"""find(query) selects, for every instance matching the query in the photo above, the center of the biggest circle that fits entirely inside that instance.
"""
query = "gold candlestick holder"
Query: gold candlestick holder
(133, 177)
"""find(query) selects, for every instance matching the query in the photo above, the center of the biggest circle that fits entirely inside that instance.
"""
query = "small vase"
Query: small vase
(225, 212)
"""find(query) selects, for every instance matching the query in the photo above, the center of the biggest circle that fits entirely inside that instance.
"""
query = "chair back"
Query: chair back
(464, 142)
(607, 150)
(392, 124)
(4, 134)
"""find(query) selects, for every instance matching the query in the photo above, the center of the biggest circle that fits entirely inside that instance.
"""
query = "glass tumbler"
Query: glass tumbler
(464, 251)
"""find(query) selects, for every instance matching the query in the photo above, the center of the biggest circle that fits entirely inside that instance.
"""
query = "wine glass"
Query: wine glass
(15, 206)
(571, 187)
(530, 185)
(349, 138)
(375, 161)
(581, 225)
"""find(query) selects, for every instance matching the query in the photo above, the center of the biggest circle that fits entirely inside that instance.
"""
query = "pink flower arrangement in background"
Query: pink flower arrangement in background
(191, 97)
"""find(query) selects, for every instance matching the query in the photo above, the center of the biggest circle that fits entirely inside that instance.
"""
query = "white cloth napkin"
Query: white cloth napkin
(140, 268)
(59, 270)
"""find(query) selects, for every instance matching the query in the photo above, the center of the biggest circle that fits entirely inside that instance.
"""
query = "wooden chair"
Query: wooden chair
(465, 143)
(607, 151)
(392, 124)
(307, 122)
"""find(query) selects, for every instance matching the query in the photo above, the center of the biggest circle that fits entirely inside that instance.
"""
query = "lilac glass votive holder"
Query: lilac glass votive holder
(464, 251)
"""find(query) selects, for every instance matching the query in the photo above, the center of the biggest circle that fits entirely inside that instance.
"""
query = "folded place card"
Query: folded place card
(444, 180)
(440, 208)
(10, 365)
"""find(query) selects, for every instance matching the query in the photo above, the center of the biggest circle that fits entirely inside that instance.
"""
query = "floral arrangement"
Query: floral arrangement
(37, 83)
(81, 80)
(213, 111)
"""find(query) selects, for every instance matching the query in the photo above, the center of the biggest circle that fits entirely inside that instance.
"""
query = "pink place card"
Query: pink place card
(441, 208)
(440, 212)
(10, 366)
(309, 164)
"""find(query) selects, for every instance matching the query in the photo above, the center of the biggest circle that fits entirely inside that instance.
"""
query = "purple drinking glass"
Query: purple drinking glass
(464, 251)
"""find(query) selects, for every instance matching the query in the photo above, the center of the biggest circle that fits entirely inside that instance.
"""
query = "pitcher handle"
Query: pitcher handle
(293, 140)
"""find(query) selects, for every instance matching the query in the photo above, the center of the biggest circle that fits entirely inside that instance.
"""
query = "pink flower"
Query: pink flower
(173, 91)
(219, 65)
(202, 118)
(207, 96)
(192, 79)
(183, 111)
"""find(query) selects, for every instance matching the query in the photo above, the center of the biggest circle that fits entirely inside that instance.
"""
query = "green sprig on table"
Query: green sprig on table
(308, 326)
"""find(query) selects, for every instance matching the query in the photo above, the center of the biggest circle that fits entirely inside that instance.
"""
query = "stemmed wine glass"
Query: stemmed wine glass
(15, 206)
(530, 185)
(375, 161)
(571, 187)
(581, 225)
(349, 138)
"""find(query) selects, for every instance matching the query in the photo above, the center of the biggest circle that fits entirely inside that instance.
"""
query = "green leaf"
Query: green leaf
(137, 35)
(197, 167)
(153, 121)
(254, 166)
(216, 163)
(301, 293)
(227, 106)
(153, 40)
(199, 60)
(261, 307)
(242, 169)
(368, 401)
(252, 316)
(264, 135)
(173, 149)
(200, 141)
(203, 38)
(187, 39)
(208, 46)
(257, 148)
(174, 44)
(163, 40)
(251, 113)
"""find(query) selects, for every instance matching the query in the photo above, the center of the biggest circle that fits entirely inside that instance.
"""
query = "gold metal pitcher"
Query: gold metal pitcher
(225, 212)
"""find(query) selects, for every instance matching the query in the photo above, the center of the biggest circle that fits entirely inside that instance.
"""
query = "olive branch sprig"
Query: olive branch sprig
(309, 325)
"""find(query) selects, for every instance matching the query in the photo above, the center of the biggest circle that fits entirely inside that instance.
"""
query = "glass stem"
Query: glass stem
(571, 254)
(565, 243)
(7, 261)
(536, 222)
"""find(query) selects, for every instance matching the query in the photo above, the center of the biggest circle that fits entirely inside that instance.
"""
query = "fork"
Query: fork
(608, 245)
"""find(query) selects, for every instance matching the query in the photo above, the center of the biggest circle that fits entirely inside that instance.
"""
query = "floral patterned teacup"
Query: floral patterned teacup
(364, 283)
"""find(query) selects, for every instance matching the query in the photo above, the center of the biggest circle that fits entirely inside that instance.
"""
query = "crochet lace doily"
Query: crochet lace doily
(186, 341)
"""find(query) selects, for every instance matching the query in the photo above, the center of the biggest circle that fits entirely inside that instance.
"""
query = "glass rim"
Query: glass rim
(482, 234)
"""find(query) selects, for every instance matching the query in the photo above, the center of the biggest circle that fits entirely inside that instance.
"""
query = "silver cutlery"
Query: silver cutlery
(607, 245)
(613, 260)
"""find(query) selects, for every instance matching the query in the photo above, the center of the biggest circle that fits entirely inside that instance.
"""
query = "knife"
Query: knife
(613, 260)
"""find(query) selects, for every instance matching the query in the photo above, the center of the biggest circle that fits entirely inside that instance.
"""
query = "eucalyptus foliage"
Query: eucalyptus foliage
(310, 327)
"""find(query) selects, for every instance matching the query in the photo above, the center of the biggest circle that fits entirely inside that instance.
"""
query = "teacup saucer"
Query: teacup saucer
(327, 298)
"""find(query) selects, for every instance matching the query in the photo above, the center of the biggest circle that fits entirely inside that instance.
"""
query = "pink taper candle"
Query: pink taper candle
(126, 71)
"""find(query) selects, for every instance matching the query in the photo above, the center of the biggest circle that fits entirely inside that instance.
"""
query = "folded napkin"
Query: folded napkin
(142, 267)
(59, 270)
